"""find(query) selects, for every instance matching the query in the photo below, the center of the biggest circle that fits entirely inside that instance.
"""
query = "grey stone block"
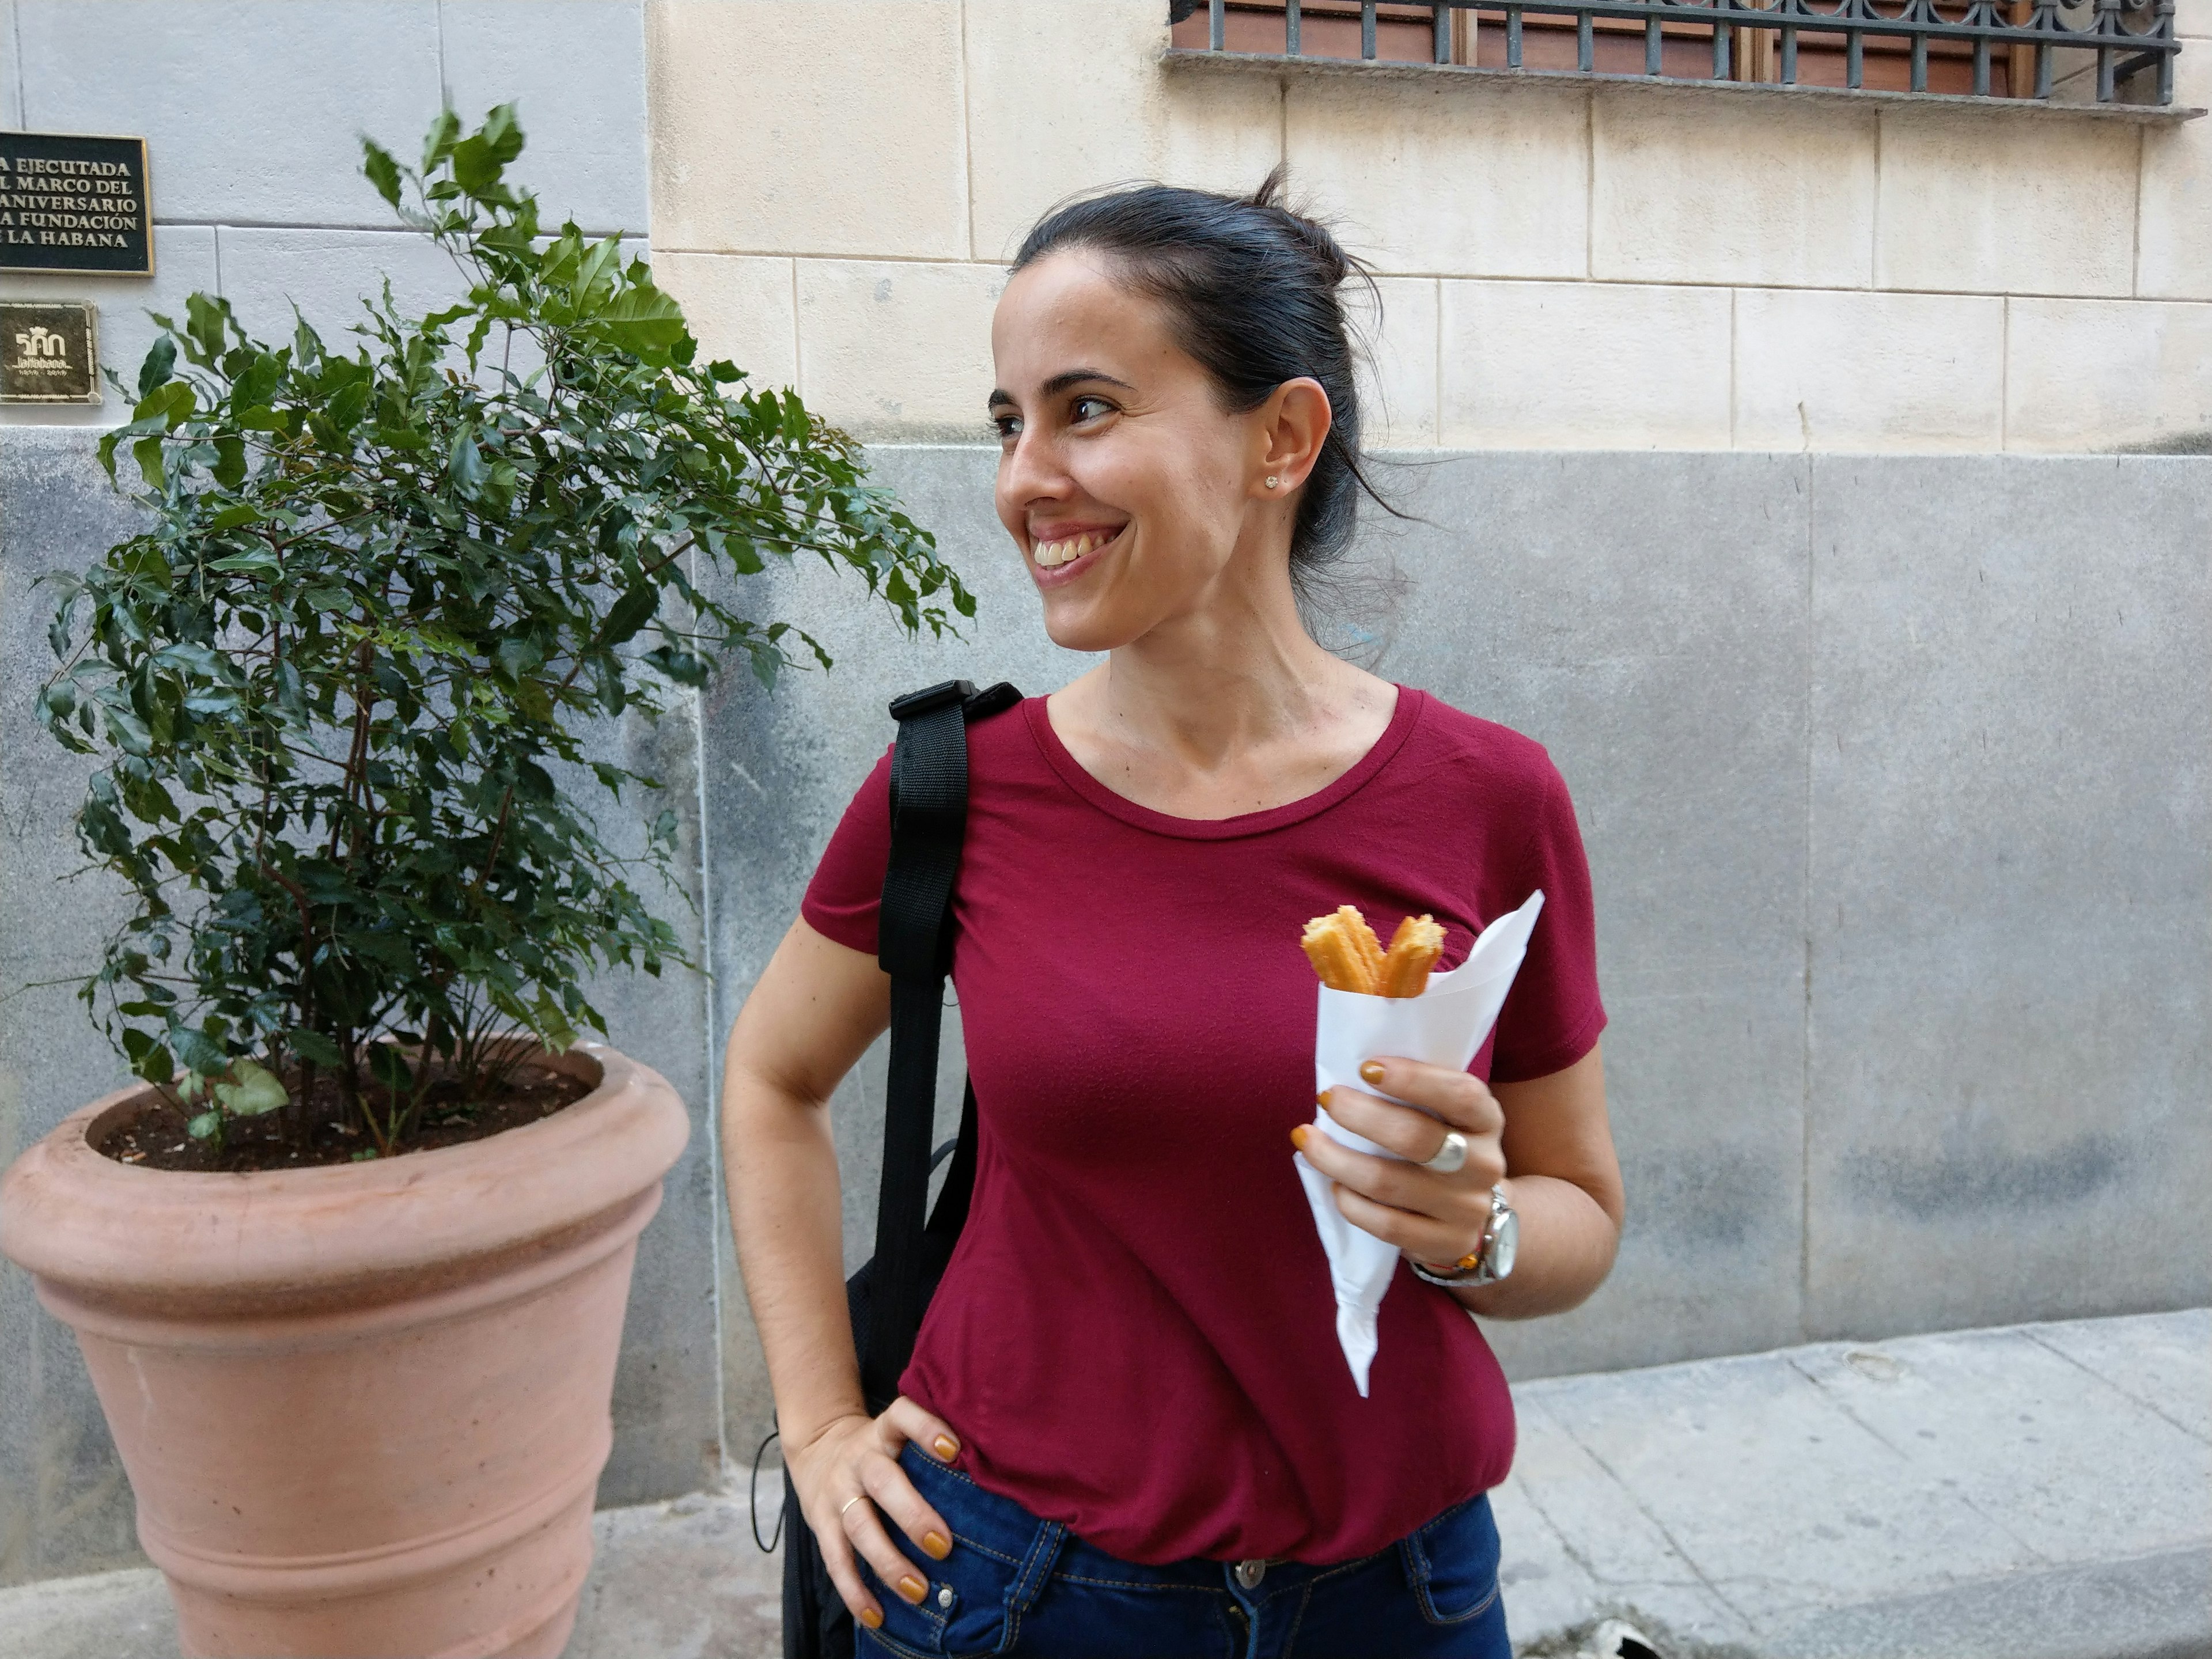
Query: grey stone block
(576, 71)
(2157, 1360)
(2012, 855)
(183, 263)
(327, 274)
(1644, 619)
(252, 109)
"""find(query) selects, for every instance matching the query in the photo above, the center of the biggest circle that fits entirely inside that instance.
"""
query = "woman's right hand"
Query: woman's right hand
(849, 1483)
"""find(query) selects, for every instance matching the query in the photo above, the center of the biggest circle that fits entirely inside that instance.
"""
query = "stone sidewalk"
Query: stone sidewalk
(2039, 1492)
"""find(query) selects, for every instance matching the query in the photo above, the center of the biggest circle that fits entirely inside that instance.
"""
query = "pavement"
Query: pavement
(2036, 1491)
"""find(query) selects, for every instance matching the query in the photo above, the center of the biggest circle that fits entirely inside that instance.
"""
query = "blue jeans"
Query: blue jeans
(1014, 1584)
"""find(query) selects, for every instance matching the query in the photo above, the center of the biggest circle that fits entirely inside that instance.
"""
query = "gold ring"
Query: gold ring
(848, 1503)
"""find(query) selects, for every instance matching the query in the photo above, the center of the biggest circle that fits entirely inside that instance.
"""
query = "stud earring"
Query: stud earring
(1271, 481)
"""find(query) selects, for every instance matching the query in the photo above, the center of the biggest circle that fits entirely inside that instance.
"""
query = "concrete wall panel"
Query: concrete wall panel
(2037, 208)
(758, 149)
(252, 109)
(1820, 369)
(1676, 197)
(575, 70)
(1562, 598)
(2009, 888)
(900, 347)
(1431, 180)
(1544, 365)
(327, 274)
(2088, 375)
(2175, 260)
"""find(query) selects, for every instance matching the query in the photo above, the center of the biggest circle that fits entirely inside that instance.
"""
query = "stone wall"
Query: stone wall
(1561, 265)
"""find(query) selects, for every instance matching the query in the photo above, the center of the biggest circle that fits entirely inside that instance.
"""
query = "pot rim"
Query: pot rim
(75, 1217)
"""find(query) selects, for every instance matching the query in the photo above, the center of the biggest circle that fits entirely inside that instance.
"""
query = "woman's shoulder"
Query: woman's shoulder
(1500, 758)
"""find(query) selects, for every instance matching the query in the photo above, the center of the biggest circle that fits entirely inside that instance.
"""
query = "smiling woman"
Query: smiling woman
(1128, 1377)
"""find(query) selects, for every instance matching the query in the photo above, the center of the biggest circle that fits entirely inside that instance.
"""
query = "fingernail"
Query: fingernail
(1298, 1137)
(912, 1587)
(937, 1544)
(1321, 1099)
(872, 1619)
(945, 1447)
(1372, 1071)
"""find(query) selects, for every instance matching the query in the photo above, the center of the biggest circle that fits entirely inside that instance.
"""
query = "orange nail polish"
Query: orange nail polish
(937, 1544)
(1372, 1071)
(945, 1447)
(912, 1587)
(872, 1619)
(1298, 1137)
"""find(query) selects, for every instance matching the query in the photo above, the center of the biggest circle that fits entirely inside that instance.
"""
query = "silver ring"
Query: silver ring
(1451, 1156)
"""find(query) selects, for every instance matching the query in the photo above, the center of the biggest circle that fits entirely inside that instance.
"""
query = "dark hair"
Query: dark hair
(1252, 292)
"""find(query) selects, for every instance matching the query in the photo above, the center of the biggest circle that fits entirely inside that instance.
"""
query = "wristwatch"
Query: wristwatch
(1490, 1261)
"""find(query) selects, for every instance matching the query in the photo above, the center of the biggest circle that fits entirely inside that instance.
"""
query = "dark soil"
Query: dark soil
(156, 1137)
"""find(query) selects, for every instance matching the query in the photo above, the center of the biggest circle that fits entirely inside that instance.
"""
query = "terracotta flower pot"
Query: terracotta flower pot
(363, 1408)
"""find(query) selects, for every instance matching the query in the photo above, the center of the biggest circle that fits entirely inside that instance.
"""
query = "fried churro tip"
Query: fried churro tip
(1333, 945)
(1414, 949)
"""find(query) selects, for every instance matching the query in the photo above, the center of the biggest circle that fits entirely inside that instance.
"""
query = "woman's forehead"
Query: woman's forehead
(1068, 310)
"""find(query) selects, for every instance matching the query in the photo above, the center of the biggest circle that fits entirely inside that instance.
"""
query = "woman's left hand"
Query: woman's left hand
(1432, 1218)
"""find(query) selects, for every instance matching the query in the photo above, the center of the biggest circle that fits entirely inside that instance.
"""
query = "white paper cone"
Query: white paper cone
(1443, 1026)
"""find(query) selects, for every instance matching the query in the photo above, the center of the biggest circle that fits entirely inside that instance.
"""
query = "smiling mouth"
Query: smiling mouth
(1051, 555)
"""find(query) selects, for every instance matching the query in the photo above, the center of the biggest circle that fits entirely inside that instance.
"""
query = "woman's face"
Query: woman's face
(1128, 486)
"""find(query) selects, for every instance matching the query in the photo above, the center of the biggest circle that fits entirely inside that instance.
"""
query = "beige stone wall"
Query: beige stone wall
(837, 183)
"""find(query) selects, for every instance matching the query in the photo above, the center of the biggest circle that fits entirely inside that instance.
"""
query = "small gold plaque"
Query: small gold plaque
(49, 351)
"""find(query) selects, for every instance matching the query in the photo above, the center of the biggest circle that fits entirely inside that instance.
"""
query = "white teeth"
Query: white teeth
(1052, 555)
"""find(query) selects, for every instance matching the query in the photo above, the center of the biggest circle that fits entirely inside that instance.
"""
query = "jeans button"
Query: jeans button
(1249, 1573)
(944, 1596)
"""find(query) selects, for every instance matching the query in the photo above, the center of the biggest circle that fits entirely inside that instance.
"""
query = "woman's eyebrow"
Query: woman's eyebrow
(1075, 377)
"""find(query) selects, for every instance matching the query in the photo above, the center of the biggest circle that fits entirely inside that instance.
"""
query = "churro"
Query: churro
(1343, 950)
(1347, 956)
(1414, 951)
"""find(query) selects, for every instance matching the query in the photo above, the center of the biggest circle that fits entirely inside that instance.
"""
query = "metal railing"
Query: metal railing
(2128, 37)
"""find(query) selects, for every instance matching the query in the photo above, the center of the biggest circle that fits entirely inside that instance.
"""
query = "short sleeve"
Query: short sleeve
(1553, 1016)
(848, 888)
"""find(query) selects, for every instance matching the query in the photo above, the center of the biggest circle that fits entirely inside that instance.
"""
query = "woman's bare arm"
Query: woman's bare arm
(1563, 1180)
(813, 1012)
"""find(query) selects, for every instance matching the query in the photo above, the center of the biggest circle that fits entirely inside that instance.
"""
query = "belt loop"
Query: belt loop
(1036, 1571)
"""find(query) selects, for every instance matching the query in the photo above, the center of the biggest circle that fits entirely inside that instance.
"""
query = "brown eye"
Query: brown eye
(1089, 409)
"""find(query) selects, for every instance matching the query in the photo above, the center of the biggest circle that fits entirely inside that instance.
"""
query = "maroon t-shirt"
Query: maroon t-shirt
(1136, 1336)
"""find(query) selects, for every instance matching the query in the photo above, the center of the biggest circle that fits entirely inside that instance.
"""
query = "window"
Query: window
(1988, 48)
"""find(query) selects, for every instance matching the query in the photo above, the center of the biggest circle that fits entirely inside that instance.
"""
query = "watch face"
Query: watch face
(1503, 1243)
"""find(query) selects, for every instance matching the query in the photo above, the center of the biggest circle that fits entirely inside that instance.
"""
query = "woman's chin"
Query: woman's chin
(1077, 626)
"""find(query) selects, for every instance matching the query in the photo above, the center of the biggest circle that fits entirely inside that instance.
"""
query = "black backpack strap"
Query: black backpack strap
(929, 821)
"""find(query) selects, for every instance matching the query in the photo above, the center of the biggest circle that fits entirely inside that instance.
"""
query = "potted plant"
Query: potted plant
(348, 1262)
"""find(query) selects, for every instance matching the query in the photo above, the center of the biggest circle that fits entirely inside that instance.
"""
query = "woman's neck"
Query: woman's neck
(1230, 708)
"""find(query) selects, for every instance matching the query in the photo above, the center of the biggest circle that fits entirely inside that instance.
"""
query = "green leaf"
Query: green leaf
(253, 1090)
(205, 317)
(229, 469)
(630, 613)
(465, 463)
(643, 319)
(438, 143)
(382, 170)
(161, 362)
(313, 1046)
(206, 1126)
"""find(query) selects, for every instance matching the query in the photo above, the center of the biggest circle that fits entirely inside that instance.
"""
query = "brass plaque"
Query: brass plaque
(49, 351)
(71, 201)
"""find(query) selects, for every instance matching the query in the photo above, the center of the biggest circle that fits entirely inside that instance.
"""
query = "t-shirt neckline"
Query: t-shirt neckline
(1404, 715)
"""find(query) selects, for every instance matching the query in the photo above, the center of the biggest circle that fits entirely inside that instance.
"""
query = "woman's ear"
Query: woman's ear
(1288, 431)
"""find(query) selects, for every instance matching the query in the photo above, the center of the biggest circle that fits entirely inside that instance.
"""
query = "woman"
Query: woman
(1128, 1427)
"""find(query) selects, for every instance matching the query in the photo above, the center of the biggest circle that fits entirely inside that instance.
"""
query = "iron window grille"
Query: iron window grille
(2128, 37)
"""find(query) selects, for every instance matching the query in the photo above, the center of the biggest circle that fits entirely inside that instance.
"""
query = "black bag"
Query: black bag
(889, 1294)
